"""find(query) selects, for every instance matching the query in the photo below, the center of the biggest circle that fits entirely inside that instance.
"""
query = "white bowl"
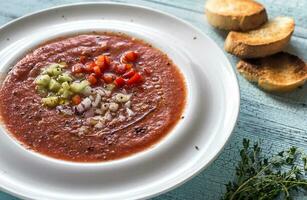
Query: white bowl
(210, 115)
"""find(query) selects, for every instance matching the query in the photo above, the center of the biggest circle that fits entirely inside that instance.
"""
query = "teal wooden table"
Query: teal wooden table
(277, 120)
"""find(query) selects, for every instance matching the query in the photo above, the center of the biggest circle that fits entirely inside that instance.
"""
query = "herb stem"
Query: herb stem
(247, 181)
(258, 177)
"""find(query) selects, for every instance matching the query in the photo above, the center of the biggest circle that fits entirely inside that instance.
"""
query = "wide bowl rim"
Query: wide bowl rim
(231, 124)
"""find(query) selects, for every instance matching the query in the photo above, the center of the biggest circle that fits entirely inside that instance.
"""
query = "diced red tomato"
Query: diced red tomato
(100, 61)
(107, 60)
(77, 68)
(129, 56)
(76, 99)
(128, 66)
(92, 79)
(89, 67)
(97, 71)
(83, 59)
(108, 78)
(103, 61)
(129, 74)
(136, 78)
(119, 82)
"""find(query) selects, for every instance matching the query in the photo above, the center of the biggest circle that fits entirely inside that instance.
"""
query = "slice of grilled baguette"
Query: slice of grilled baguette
(281, 72)
(269, 39)
(237, 15)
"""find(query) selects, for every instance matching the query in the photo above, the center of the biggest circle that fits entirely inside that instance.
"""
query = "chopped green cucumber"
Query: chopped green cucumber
(51, 101)
(54, 85)
(63, 102)
(85, 82)
(87, 91)
(56, 71)
(64, 78)
(42, 80)
(79, 87)
(65, 93)
(48, 70)
(65, 86)
(53, 70)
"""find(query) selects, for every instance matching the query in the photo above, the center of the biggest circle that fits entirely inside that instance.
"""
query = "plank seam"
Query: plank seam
(9, 15)
(174, 6)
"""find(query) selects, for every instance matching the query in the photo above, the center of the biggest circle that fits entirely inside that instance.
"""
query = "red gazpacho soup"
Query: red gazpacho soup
(92, 97)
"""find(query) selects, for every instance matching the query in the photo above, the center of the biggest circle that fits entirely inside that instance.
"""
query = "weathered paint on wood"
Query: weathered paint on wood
(277, 120)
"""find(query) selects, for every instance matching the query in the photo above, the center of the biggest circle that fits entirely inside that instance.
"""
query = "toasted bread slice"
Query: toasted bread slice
(267, 40)
(281, 72)
(236, 15)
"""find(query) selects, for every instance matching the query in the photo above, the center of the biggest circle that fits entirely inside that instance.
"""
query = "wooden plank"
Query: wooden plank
(277, 120)
(4, 196)
(293, 8)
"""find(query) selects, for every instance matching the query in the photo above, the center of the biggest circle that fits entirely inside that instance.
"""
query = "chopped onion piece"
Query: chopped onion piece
(130, 112)
(101, 92)
(108, 116)
(97, 101)
(113, 107)
(122, 98)
(104, 106)
(86, 103)
(80, 108)
(107, 93)
(65, 111)
(128, 104)
(98, 111)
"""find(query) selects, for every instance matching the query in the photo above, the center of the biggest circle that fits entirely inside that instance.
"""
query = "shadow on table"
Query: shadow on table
(221, 33)
(4, 196)
(295, 99)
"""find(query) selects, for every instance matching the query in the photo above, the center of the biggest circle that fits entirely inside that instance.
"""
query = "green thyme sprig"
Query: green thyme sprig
(260, 178)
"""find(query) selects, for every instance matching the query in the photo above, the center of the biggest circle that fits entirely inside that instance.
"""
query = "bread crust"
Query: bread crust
(242, 50)
(239, 44)
(281, 72)
(235, 19)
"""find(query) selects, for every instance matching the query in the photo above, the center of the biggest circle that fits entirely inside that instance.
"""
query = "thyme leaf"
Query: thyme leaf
(261, 178)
